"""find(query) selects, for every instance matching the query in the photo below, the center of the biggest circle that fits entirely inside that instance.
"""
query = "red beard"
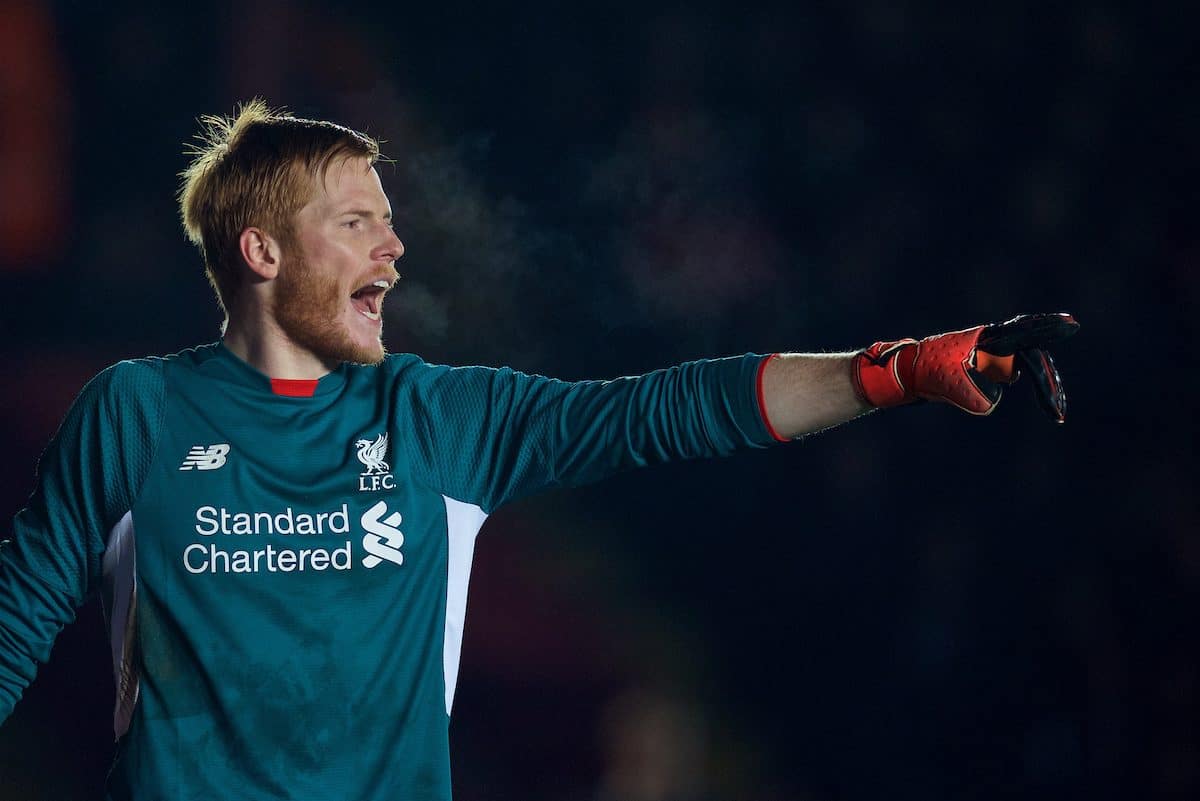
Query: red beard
(309, 307)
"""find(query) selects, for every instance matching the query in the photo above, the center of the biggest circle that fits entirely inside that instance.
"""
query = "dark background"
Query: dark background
(919, 605)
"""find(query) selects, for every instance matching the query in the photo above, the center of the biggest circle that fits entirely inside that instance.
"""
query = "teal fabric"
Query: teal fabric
(292, 553)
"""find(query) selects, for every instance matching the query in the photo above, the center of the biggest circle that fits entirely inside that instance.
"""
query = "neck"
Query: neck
(259, 341)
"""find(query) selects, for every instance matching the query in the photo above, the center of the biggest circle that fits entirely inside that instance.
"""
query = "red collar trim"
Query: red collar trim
(294, 387)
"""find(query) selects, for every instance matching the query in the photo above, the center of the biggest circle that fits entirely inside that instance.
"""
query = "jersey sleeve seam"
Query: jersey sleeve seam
(156, 440)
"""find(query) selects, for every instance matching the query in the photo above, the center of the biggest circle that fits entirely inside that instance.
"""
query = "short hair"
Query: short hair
(257, 168)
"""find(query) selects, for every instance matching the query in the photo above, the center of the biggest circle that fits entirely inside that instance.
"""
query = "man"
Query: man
(281, 524)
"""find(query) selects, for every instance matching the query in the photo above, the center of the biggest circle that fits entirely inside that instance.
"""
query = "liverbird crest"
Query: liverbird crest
(372, 454)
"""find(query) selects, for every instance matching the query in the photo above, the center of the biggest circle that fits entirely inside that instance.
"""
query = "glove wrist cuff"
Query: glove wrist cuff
(883, 373)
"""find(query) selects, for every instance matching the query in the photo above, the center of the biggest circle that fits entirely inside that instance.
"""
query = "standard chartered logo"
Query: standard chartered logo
(296, 541)
(382, 540)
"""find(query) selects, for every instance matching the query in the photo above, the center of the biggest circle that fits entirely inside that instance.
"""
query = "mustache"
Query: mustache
(391, 276)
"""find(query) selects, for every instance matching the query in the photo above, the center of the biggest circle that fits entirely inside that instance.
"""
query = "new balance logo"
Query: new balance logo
(202, 458)
(382, 540)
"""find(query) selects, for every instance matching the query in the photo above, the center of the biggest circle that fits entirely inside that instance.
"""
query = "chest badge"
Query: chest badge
(377, 473)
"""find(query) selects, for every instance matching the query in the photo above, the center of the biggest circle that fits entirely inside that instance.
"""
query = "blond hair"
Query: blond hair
(257, 168)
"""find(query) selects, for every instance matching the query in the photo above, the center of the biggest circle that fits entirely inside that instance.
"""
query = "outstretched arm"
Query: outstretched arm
(523, 434)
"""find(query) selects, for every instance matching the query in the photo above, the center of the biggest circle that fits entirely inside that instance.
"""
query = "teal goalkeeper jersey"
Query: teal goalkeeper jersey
(284, 565)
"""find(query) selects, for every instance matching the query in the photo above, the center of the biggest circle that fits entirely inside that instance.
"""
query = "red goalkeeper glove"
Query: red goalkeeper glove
(967, 368)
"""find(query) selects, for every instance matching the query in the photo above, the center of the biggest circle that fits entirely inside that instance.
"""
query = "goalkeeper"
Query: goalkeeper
(281, 524)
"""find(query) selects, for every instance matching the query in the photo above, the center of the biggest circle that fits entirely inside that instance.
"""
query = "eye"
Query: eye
(353, 224)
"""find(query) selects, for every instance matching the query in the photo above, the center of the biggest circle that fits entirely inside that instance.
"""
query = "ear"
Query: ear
(260, 252)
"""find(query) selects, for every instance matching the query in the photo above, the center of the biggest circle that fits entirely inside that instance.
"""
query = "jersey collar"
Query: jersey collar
(247, 375)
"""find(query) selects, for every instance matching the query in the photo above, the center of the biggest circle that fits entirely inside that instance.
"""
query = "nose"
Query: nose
(391, 249)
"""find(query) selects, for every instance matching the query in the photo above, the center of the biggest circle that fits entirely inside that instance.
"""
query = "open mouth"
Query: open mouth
(368, 300)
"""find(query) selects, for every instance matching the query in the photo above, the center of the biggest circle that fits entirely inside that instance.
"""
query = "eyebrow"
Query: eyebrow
(364, 213)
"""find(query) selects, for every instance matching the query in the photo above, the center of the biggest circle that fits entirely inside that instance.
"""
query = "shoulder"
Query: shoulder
(126, 381)
(120, 408)
(146, 373)
(139, 386)
(397, 369)
(399, 363)
(408, 376)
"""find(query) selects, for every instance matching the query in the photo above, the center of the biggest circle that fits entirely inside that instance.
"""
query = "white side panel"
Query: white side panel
(463, 521)
(119, 567)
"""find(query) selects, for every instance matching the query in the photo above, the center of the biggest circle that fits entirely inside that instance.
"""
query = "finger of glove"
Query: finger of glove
(1048, 388)
(1026, 331)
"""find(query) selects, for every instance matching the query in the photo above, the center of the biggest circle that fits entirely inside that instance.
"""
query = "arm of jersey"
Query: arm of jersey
(488, 436)
(87, 481)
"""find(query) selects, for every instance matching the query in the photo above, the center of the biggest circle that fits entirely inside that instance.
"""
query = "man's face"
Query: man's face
(334, 275)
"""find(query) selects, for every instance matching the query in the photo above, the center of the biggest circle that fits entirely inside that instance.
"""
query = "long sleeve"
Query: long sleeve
(488, 436)
(87, 480)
